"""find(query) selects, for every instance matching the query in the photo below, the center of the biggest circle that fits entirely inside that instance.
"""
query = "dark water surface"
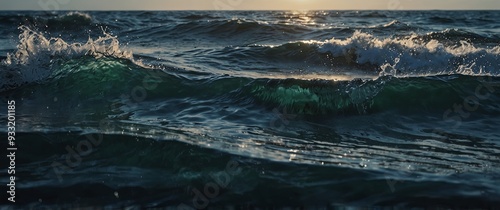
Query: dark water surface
(253, 109)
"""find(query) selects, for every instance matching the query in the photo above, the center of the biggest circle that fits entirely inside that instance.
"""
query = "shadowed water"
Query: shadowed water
(272, 108)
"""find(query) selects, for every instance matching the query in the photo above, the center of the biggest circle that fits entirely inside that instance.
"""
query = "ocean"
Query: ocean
(250, 109)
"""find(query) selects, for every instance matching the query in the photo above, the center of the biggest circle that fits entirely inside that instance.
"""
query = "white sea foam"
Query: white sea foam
(36, 54)
(411, 55)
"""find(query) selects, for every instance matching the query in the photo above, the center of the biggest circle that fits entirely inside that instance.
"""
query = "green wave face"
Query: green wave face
(106, 80)
(90, 76)
(383, 94)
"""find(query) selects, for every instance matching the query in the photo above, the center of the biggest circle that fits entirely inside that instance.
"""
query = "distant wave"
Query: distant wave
(396, 25)
(49, 21)
(234, 27)
(199, 17)
(433, 53)
(451, 36)
(413, 55)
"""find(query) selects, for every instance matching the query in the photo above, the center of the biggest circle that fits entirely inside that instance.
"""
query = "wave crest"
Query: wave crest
(36, 54)
(412, 54)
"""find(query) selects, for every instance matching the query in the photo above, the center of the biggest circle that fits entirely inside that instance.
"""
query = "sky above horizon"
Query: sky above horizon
(249, 5)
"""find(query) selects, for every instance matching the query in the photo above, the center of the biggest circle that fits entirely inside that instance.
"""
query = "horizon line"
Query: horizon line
(213, 10)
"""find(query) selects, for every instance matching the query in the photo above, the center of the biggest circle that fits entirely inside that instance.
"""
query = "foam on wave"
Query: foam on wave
(36, 54)
(412, 55)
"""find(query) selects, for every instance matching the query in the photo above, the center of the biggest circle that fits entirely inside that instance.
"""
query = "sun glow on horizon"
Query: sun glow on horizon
(290, 5)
